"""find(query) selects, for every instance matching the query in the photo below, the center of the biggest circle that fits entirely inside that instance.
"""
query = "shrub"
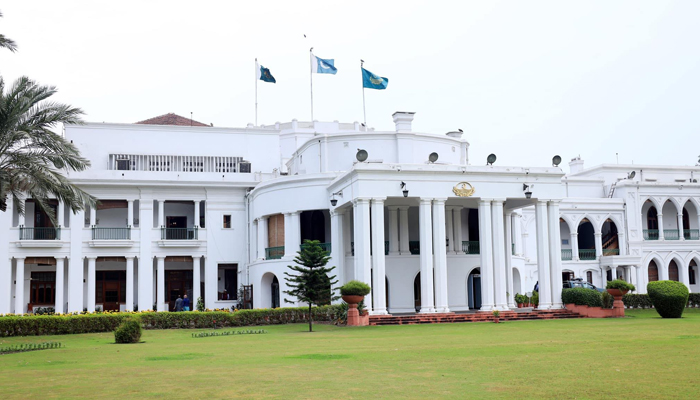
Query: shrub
(535, 299)
(608, 300)
(200, 304)
(128, 332)
(520, 299)
(669, 298)
(620, 285)
(694, 299)
(636, 300)
(355, 288)
(582, 297)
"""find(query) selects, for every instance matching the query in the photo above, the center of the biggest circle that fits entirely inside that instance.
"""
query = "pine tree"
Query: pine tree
(310, 281)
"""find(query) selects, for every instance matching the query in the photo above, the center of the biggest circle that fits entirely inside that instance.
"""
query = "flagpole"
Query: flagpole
(311, 79)
(364, 110)
(256, 92)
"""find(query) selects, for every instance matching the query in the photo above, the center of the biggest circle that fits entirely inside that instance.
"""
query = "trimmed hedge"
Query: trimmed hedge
(31, 325)
(620, 284)
(355, 288)
(669, 298)
(636, 300)
(582, 297)
(128, 332)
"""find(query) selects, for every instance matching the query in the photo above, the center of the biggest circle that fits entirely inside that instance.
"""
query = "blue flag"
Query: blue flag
(323, 66)
(372, 81)
(265, 75)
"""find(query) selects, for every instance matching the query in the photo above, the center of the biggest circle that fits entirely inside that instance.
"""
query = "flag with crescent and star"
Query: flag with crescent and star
(323, 66)
(372, 81)
(265, 75)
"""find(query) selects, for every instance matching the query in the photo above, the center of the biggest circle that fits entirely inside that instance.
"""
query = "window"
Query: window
(589, 276)
(227, 222)
(691, 271)
(228, 282)
(123, 164)
(43, 288)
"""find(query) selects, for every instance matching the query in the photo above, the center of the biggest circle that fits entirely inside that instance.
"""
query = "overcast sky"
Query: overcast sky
(524, 79)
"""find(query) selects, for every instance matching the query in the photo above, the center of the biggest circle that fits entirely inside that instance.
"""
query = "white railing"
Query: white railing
(136, 162)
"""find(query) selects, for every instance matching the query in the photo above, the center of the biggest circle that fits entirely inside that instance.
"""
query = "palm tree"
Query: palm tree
(32, 157)
(7, 42)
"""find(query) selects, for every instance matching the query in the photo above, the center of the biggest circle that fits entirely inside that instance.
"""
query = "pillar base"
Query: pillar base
(542, 306)
(486, 308)
(443, 310)
(426, 311)
(378, 312)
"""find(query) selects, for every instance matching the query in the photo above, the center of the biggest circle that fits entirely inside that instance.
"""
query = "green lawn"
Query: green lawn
(638, 357)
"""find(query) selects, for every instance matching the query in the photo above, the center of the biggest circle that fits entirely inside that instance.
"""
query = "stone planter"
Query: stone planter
(351, 299)
(354, 318)
(618, 305)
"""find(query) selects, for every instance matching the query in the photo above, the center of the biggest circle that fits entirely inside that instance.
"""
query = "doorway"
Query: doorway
(416, 293)
(275, 293)
(474, 286)
(177, 228)
(178, 284)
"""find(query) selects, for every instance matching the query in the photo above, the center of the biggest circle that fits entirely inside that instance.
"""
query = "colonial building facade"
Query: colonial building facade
(187, 208)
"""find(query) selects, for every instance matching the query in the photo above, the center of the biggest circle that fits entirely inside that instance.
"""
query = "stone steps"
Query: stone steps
(441, 318)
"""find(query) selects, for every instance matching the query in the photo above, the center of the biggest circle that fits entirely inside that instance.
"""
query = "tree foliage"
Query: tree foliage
(310, 281)
(6, 42)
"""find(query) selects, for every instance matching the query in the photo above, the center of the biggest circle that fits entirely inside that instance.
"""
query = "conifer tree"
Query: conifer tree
(310, 281)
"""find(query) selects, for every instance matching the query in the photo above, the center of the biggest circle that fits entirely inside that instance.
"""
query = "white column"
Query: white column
(145, 268)
(393, 230)
(161, 213)
(440, 255)
(196, 215)
(486, 256)
(449, 231)
(337, 251)
(20, 217)
(499, 254)
(76, 264)
(426, 257)
(598, 244)
(545, 286)
(680, 226)
(196, 281)
(292, 235)
(457, 227)
(622, 243)
(403, 231)
(555, 266)
(262, 237)
(378, 261)
(93, 222)
(660, 220)
(641, 280)
(574, 246)
(603, 277)
(130, 213)
(160, 281)
(518, 234)
(129, 283)
(683, 275)
(91, 284)
(347, 237)
(509, 259)
(20, 304)
(363, 260)
(60, 284)
(60, 215)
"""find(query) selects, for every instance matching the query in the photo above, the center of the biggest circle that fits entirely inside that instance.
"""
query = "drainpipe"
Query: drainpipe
(247, 238)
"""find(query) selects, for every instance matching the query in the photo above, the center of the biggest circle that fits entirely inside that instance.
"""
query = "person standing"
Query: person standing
(186, 303)
(178, 304)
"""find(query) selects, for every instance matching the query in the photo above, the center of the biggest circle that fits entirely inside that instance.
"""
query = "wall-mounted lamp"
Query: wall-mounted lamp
(491, 159)
(526, 189)
(631, 175)
(334, 201)
(405, 191)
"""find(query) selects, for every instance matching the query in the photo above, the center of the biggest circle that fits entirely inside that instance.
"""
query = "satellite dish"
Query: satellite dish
(433, 157)
(631, 175)
(491, 159)
(361, 155)
(556, 161)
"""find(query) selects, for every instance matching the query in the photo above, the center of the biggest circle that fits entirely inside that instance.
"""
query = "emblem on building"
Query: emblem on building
(463, 189)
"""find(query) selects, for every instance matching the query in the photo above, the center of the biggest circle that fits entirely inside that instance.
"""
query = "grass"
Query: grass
(639, 357)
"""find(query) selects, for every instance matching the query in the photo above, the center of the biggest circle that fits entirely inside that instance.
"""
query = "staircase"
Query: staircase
(441, 318)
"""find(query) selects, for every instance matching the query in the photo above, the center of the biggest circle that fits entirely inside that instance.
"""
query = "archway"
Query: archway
(313, 225)
(673, 271)
(611, 245)
(567, 275)
(691, 230)
(416, 293)
(275, 293)
(474, 289)
(269, 291)
(516, 281)
(650, 221)
(693, 272)
(565, 234)
(653, 271)
(589, 277)
(586, 240)
(386, 281)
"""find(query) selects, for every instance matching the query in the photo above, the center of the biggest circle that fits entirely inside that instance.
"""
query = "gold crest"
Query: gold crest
(463, 189)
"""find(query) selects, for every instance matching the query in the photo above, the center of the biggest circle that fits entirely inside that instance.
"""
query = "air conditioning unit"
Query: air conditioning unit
(245, 167)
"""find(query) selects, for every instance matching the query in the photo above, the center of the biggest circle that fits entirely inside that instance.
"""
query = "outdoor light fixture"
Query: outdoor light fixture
(526, 189)
(334, 201)
(433, 157)
(556, 160)
(491, 159)
(631, 175)
(361, 155)
(405, 191)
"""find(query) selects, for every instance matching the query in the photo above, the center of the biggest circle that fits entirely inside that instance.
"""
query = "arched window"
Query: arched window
(589, 277)
(692, 271)
(652, 219)
(673, 271)
(653, 271)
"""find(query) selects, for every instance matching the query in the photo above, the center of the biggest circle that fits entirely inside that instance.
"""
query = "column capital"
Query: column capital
(440, 199)
(453, 208)
(403, 208)
(541, 202)
(555, 202)
(360, 200)
(498, 201)
(597, 234)
(484, 201)
(378, 199)
(197, 257)
(392, 208)
(575, 234)
(91, 257)
(18, 258)
(130, 257)
(160, 257)
(424, 200)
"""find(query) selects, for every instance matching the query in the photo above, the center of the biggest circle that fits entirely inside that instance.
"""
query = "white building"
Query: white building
(203, 211)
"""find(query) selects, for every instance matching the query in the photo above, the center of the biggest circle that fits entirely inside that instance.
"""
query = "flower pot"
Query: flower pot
(352, 299)
(618, 304)
(520, 305)
(496, 320)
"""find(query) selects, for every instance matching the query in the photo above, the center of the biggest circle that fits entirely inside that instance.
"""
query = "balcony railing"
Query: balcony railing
(567, 254)
(586, 254)
(470, 247)
(325, 246)
(137, 162)
(111, 233)
(691, 234)
(671, 234)
(179, 233)
(274, 253)
(651, 234)
(611, 252)
(39, 233)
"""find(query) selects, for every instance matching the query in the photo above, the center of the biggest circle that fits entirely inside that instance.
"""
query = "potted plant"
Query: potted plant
(496, 315)
(354, 293)
(617, 289)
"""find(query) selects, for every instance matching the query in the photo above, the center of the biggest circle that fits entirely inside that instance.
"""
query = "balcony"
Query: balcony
(111, 233)
(567, 255)
(651, 234)
(274, 253)
(470, 247)
(691, 234)
(179, 233)
(586, 254)
(324, 246)
(611, 252)
(39, 233)
(671, 234)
